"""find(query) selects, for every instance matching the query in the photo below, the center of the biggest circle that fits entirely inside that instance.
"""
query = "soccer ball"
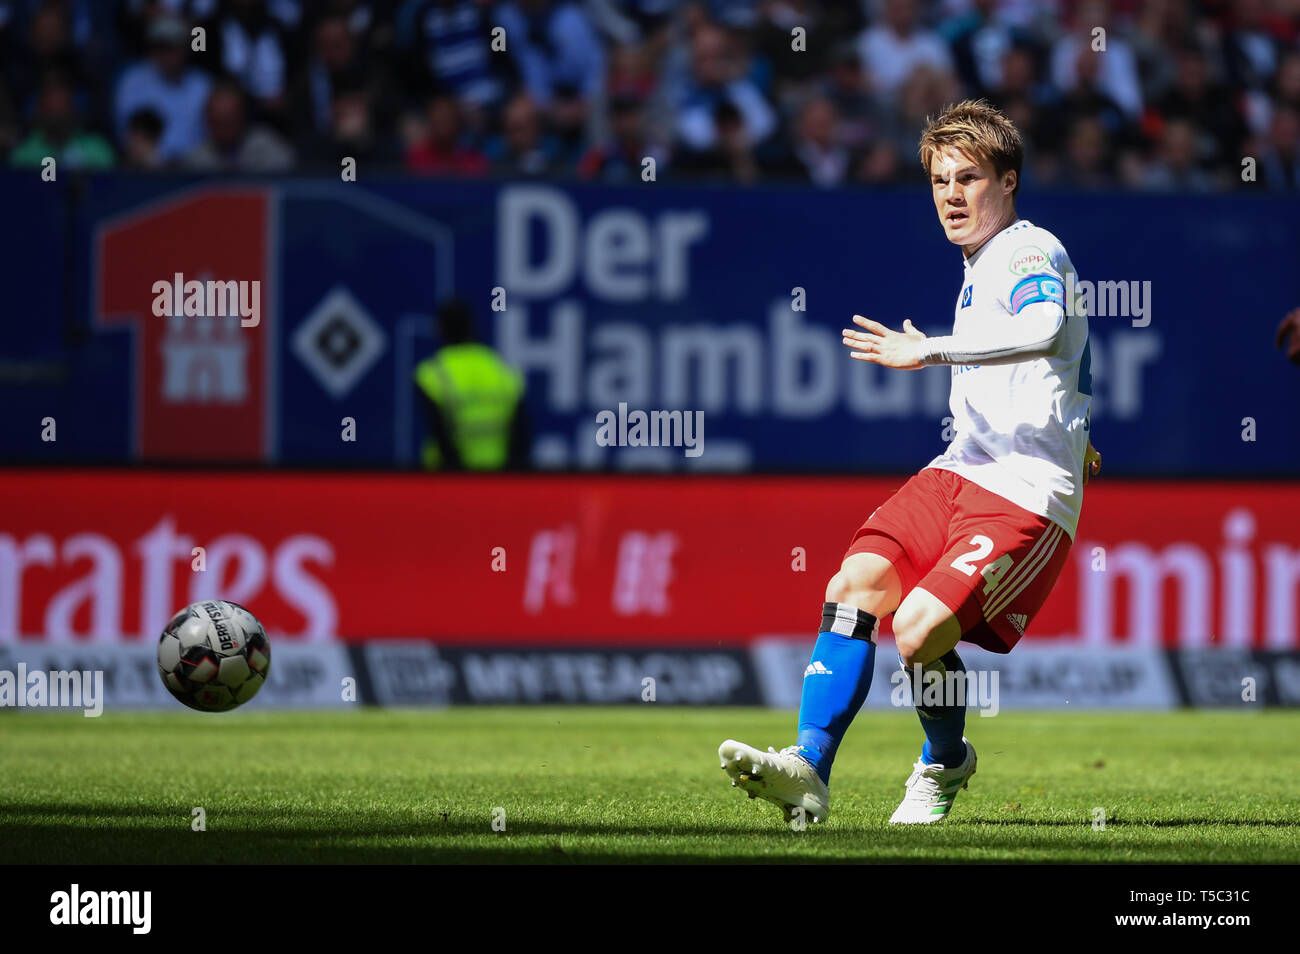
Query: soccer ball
(214, 655)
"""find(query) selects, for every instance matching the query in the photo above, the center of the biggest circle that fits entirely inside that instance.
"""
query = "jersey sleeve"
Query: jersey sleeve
(1031, 290)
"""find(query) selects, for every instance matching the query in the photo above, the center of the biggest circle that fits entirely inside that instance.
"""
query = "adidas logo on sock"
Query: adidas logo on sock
(1019, 621)
(817, 669)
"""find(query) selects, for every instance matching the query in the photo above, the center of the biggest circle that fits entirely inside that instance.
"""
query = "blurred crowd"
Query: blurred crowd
(1137, 94)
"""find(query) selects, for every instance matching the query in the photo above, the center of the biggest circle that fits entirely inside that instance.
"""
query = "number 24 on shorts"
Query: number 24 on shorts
(993, 572)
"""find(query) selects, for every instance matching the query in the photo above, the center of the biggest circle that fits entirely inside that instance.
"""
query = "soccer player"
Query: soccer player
(969, 548)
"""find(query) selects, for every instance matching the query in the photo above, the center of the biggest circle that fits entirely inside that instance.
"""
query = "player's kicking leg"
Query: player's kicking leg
(835, 685)
(926, 632)
(987, 596)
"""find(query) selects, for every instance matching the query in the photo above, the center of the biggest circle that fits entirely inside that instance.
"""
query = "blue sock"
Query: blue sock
(835, 683)
(943, 724)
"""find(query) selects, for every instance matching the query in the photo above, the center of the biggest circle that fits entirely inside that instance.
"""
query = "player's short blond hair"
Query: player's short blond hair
(979, 130)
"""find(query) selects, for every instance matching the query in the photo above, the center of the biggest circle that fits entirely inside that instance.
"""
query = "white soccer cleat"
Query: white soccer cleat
(932, 790)
(785, 778)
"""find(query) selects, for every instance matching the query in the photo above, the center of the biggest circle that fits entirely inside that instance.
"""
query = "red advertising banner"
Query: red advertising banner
(107, 556)
(201, 367)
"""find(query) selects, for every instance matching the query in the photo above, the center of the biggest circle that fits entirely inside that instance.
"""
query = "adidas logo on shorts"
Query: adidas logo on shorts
(817, 669)
(1019, 621)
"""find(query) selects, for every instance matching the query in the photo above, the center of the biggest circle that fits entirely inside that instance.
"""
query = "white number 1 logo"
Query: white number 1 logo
(991, 573)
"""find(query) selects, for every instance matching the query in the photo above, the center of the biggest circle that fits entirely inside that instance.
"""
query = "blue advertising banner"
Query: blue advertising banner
(723, 301)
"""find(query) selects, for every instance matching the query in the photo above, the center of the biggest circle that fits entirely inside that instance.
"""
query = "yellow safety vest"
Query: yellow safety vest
(477, 394)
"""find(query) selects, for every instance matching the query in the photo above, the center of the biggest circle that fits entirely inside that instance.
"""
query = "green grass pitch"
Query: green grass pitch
(630, 784)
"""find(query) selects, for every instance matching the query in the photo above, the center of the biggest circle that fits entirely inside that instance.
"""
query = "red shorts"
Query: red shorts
(989, 561)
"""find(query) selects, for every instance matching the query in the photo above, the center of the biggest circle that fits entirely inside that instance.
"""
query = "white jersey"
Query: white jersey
(1021, 382)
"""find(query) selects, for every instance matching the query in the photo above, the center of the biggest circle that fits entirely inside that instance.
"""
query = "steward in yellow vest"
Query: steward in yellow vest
(472, 401)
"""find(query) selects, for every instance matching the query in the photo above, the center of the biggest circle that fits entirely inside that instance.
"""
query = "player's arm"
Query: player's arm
(1036, 302)
(1036, 334)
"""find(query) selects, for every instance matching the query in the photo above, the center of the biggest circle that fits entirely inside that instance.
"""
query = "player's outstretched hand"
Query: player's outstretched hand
(1091, 462)
(879, 345)
(1288, 335)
